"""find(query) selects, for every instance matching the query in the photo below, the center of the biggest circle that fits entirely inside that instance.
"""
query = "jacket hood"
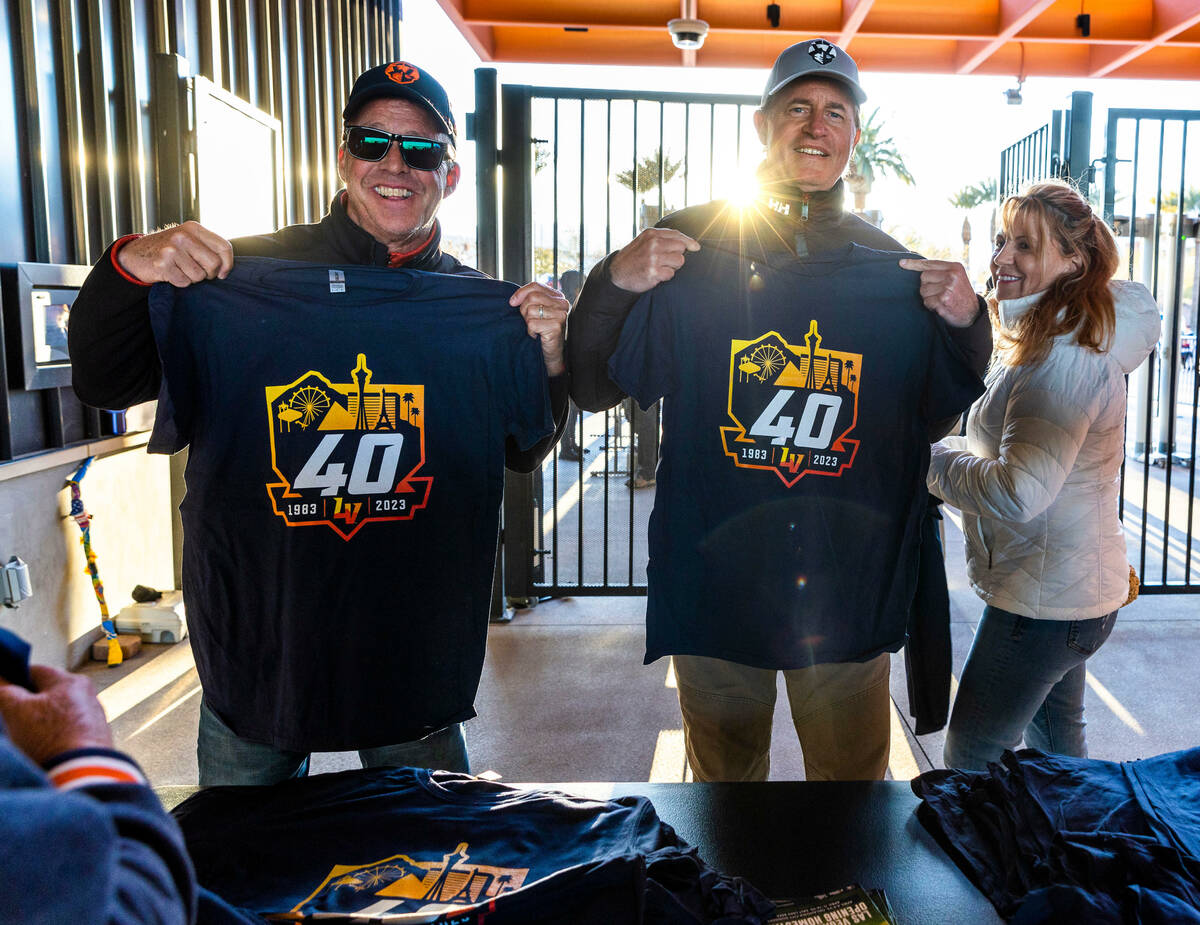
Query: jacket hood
(1137, 321)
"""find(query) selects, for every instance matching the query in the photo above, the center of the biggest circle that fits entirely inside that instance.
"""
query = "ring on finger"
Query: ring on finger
(541, 312)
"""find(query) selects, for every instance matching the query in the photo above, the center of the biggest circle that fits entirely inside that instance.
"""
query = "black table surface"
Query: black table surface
(793, 839)
(798, 838)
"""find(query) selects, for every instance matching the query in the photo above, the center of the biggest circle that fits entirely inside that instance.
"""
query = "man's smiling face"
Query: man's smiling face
(389, 200)
(809, 129)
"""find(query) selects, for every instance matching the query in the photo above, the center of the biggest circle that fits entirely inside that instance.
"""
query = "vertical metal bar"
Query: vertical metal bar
(578, 435)
(265, 58)
(515, 160)
(316, 87)
(608, 417)
(1150, 369)
(30, 68)
(74, 162)
(101, 144)
(134, 143)
(487, 232)
(298, 74)
(687, 149)
(240, 40)
(1079, 151)
(337, 74)
(554, 263)
(712, 124)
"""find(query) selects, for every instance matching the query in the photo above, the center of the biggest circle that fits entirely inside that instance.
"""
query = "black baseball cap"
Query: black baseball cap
(403, 81)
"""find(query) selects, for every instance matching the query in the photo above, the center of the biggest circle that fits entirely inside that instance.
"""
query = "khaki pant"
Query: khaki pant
(842, 715)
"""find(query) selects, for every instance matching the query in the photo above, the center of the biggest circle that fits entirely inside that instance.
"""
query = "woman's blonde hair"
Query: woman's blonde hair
(1077, 302)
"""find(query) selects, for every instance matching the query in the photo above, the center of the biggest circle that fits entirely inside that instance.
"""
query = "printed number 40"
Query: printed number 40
(320, 473)
(810, 432)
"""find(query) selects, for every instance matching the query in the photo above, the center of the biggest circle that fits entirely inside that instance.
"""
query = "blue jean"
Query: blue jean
(226, 759)
(1023, 677)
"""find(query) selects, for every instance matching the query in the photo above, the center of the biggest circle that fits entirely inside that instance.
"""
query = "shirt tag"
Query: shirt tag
(337, 281)
(778, 205)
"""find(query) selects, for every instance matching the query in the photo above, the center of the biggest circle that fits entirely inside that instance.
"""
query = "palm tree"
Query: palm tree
(408, 398)
(873, 156)
(971, 196)
(645, 175)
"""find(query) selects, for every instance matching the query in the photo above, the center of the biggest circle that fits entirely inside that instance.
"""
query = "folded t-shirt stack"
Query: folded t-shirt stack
(387, 843)
(1049, 838)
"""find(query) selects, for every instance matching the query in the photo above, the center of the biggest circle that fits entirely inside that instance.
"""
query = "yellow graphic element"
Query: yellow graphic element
(307, 403)
(793, 406)
(414, 884)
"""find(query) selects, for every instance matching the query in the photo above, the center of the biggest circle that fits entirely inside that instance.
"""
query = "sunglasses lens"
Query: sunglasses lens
(366, 144)
(421, 153)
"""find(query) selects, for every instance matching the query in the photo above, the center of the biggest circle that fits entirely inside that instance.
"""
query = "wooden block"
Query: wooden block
(130, 646)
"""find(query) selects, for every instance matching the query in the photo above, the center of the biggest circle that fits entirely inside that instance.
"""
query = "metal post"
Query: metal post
(1079, 140)
(516, 252)
(483, 131)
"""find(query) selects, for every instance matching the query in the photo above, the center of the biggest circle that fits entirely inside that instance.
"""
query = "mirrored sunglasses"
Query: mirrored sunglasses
(372, 144)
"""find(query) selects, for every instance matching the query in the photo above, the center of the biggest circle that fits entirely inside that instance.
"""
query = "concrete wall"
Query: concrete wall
(128, 494)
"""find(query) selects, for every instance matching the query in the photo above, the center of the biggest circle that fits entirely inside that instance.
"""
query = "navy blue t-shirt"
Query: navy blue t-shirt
(346, 430)
(390, 841)
(1052, 838)
(791, 482)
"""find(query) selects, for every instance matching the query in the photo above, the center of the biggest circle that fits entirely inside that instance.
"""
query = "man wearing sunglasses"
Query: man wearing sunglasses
(396, 160)
(837, 681)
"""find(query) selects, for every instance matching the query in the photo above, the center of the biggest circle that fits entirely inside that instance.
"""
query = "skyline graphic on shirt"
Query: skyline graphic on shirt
(399, 884)
(346, 453)
(792, 406)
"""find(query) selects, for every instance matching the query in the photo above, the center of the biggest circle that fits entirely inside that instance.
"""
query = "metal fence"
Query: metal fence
(1149, 194)
(584, 172)
(1151, 199)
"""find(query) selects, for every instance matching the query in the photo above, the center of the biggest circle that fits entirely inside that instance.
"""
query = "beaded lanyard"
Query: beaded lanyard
(80, 515)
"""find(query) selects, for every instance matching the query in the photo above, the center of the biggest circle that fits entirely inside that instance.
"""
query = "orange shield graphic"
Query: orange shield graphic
(346, 453)
(793, 408)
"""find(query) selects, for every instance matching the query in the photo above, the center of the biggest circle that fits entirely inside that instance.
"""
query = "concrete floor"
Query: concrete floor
(565, 697)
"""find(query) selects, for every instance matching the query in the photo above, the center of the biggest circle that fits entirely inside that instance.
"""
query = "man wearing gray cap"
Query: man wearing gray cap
(396, 160)
(727, 653)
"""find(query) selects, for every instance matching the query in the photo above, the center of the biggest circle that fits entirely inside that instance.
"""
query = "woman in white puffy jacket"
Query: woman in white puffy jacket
(1036, 477)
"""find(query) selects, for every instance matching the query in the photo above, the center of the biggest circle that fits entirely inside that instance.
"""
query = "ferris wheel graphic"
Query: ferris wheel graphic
(769, 359)
(310, 402)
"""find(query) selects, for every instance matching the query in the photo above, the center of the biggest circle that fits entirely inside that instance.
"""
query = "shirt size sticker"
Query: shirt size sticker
(792, 407)
(347, 453)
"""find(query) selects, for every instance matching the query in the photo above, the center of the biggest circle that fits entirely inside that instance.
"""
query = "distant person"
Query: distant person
(1037, 474)
(318, 647)
(765, 553)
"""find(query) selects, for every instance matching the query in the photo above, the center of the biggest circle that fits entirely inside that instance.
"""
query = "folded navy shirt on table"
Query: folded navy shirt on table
(1049, 838)
(389, 841)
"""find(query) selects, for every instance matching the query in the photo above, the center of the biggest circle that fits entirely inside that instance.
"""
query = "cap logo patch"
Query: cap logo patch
(402, 72)
(820, 51)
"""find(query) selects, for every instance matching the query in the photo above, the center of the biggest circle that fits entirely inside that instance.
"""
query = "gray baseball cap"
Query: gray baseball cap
(814, 58)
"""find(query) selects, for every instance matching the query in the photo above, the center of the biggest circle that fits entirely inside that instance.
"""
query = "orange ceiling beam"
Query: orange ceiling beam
(1128, 38)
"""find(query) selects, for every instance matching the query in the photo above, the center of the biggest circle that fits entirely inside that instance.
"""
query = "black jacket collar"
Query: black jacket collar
(359, 247)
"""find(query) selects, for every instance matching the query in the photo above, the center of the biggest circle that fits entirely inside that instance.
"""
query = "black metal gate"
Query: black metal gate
(582, 172)
(1151, 199)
